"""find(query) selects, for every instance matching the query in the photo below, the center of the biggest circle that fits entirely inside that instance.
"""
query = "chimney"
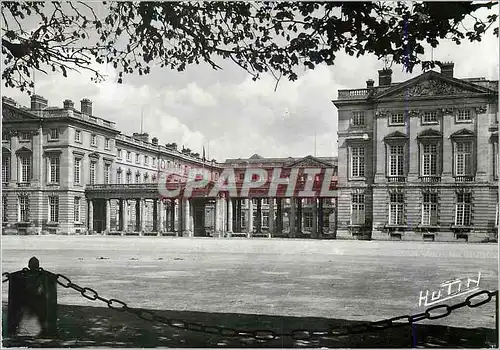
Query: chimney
(68, 104)
(143, 137)
(86, 106)
(38, 102)
(154, 140)
(9, 101)
(447, 69)
(370, 83)
(384, 77)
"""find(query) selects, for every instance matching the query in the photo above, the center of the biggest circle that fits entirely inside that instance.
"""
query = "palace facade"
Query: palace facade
(418, 160)
(66, 171)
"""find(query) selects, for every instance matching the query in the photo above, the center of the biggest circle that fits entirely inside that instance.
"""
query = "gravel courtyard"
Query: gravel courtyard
(353, 280)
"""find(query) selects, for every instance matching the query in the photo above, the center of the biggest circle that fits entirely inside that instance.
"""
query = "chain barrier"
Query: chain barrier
(432, 313)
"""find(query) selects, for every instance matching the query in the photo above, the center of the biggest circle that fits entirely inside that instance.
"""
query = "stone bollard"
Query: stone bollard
(32, 302)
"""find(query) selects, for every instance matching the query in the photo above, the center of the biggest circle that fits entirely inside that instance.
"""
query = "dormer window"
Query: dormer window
(25, 136)
(358, 118)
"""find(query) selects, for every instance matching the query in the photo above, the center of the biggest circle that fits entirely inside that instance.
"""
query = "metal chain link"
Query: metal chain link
(432, 313)
(6, 275)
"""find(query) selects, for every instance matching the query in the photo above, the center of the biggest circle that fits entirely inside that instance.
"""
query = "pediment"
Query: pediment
(430, 133)
(396, 135)
(94, 155)
(5, 150)
(24, 149)
(432, 84)
(13, 113)
(463, 133)
(309, 161)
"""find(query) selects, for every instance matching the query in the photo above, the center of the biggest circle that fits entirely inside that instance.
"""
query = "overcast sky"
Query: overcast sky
(232, 115)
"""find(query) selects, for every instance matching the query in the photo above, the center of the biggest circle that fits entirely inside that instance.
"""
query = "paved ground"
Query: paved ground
(357, 281)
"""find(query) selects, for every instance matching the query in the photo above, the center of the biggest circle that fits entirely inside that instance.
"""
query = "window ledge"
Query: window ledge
(52, 223)
(24, 184)
(356, 178)
(53, 184)
(53, 140)
(430, 123)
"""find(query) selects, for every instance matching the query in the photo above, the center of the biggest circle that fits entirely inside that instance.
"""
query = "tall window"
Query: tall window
(129, 178)
(429, 208)
(358, 161)
(92, 173)
(54, 169)
(24, 209)
(93, 140)
(76, 209)
(54, 209)
(396, 208)
(77, 171)
(119, 175)
(497, 215)
(358, 118)
(25, 161)
(78, 136)
(107, 173)
(396, 160)
(137, 158)
(107, 143)
(429, 160)
(5, 168)
(146, 178)
(463, 158)
(146, 160)
(463, 209)
(243, 219)
(118, 153)
(54, 134)
(129, 156)
(358, 209)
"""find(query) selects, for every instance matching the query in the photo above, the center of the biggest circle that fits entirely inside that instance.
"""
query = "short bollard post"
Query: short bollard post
(32, 303)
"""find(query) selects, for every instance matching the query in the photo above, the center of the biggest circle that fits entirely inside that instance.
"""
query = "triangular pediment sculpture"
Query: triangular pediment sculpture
(309, 161)
(24, 149)
(13, 113)
(431, 84)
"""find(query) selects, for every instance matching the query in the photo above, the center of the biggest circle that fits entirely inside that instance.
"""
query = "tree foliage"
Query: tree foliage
(279, 38)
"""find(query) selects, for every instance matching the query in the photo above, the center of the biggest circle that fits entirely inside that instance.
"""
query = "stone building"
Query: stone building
(52, 156)
(67, 171)
(418, 160)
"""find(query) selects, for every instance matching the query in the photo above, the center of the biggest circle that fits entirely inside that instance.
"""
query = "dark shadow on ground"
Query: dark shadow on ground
(81, 326)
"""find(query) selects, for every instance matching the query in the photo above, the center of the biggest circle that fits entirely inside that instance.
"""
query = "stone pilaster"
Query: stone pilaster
(229, 217)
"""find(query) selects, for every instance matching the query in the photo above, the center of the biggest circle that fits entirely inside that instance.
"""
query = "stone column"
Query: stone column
(223, 207)
(191, 218)
(217, 216)
(91, 216)
(142, 221)
(173, 217)
(229, 217)
(234, 210)
(321, 218)
(259, 215)
(107, 229)
(300, 215)
(250, 217)
(125, 216)
(160, 213)
(187, 216)
(293, 218)
(271, 218)
(314, 232)
(279, 215)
